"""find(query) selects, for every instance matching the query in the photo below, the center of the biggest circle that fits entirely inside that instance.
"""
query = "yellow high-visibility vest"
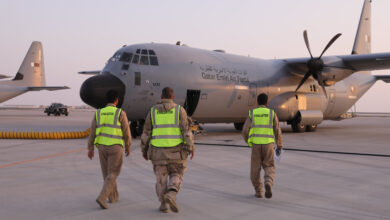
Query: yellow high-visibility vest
(166, 129)
(261, 131)
(108, 126)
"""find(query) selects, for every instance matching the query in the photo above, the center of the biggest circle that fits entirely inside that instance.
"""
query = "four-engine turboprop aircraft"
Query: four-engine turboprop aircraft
(217, 87)
(30, 77)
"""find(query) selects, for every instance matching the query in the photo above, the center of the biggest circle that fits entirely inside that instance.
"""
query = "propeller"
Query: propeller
(316, 65)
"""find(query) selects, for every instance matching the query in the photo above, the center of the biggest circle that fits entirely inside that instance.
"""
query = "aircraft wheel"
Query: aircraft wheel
(48, 114)
(298, 127)
(238, 126)
(311, 128)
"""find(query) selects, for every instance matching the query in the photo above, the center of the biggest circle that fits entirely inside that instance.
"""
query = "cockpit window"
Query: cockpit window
(153, 61)
(136, 59)
(126, 57)
(144, 60)
(116, 56)
(148, 57)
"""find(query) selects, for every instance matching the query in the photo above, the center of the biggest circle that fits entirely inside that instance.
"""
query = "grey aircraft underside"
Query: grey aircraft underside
(216, 87)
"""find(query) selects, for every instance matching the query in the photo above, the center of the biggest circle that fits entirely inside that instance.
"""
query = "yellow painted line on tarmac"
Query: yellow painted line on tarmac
(42, 158)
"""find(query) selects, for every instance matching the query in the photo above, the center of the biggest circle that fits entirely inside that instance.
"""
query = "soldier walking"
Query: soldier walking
(109, 133)
(260, 131)
(167, 141)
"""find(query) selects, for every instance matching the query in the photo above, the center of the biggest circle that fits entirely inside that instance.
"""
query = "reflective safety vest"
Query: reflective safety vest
(108, 126)
(166, 130)
(261, 131)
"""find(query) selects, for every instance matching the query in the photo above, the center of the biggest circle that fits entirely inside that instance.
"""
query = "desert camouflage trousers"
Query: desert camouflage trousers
(168, 177)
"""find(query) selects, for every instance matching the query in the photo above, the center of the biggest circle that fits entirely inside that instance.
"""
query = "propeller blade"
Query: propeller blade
(307, 42)
(307, 75)
(321, 82)
(330, 44)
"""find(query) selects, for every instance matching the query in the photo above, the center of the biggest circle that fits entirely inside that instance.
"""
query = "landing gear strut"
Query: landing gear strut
(136, 128)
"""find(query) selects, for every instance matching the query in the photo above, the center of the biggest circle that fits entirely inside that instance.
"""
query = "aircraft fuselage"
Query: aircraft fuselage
(220, 87)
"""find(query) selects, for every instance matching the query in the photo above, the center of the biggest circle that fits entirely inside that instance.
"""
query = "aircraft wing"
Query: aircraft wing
(49, 88)
(384, 78)
(354, 63)
(4, 76)
(92, 72)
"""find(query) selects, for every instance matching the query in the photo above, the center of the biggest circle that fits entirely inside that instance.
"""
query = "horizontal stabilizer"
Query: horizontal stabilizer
(92, 72)
(385, 78)
(4, 76)
(49, 88)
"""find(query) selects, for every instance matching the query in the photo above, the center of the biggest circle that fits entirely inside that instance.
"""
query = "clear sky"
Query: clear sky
(82, 34)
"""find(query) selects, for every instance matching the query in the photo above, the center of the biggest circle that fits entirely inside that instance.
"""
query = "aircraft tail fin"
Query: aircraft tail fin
(32, 70)
(362, 43)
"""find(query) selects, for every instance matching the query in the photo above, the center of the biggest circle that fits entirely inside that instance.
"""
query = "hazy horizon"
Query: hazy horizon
(82, 35)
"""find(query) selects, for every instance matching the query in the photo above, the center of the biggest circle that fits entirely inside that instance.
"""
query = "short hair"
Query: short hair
(111, 96)
(167, 93)
(262, 99)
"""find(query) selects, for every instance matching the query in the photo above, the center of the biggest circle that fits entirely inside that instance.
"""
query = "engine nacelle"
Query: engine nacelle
(331, 75)
(309, 107)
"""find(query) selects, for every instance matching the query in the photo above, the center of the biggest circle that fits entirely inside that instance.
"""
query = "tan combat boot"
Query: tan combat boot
(170, 199)
(102, 203)
(268, 191)
(113, 197)
(112, 200)
(258, 194)
(163, 207)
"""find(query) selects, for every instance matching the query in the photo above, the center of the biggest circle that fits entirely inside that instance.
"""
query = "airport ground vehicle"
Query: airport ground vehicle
(57, 109)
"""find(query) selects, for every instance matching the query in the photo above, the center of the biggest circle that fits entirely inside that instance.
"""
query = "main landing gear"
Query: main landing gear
(298, 127)
(136, 128)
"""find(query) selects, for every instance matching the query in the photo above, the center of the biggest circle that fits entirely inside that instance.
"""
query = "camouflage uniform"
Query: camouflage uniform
(169, 164)
(263, 156)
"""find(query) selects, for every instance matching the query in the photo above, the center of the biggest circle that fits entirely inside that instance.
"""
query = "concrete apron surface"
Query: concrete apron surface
(54, 179)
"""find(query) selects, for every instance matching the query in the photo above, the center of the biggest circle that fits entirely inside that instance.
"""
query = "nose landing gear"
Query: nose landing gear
(136, 128)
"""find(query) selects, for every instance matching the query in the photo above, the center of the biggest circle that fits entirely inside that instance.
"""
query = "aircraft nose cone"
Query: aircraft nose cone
(93, 90)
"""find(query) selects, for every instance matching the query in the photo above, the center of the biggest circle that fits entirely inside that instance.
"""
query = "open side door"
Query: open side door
(191, 101)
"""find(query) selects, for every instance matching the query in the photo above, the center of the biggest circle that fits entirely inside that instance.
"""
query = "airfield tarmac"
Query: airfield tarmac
(54, 179)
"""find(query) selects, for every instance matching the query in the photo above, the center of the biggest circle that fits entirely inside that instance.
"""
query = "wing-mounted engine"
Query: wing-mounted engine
(301, 110)
(322, 69)
(334, 71)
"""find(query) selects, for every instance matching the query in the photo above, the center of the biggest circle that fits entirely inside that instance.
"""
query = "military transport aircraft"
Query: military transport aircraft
(217, 87)
(30, 77)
